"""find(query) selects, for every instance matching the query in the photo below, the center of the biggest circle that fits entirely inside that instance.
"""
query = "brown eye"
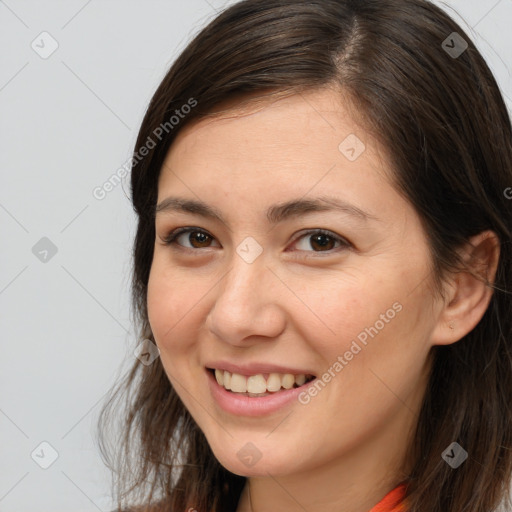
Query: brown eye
(199, 238)
(320, 241)
(196, 238)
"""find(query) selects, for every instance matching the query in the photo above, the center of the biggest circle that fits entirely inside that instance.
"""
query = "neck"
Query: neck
(353, 482)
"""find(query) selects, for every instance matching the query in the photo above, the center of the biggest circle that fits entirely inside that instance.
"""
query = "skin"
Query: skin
(300, 305)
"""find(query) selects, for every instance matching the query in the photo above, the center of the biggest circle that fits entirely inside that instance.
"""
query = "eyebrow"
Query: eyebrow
(275, 214)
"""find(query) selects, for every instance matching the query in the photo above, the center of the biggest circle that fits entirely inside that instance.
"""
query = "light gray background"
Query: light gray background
(67, 123)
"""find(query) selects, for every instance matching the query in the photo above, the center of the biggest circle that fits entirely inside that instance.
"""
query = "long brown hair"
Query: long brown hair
(444, 123)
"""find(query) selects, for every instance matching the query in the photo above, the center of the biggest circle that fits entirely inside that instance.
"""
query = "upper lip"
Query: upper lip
(255, 368)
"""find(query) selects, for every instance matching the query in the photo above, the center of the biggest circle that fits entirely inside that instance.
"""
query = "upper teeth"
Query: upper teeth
(258, 383)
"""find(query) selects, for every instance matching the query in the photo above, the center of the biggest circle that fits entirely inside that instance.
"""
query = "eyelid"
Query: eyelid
(170, 239)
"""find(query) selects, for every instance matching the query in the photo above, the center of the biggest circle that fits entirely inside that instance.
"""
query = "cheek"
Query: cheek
(172, 302)
(339, 308)
(376, 353)
(369, 319)
(173, 309)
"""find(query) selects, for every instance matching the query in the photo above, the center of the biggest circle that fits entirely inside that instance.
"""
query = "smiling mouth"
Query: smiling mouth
(262, 384)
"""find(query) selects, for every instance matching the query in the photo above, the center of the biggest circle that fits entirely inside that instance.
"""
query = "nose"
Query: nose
(247, 304)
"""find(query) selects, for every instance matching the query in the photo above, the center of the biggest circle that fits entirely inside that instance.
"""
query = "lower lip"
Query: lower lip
(252, 406)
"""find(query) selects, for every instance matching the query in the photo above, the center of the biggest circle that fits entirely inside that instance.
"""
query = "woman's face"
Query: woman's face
(288, 283)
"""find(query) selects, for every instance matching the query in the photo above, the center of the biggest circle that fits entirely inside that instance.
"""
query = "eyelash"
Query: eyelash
(170, 239)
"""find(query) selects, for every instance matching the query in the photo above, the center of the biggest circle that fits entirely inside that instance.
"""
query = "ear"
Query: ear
(468, 292)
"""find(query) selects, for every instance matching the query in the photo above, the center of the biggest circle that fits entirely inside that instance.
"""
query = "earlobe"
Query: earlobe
(470, 290)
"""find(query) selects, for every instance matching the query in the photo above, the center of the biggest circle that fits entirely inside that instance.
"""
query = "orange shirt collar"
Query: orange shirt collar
(391, 502)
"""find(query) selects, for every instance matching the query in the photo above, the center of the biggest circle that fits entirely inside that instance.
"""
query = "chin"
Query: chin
(250, 461)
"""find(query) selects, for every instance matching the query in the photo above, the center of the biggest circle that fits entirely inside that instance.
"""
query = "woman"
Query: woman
(323, 265)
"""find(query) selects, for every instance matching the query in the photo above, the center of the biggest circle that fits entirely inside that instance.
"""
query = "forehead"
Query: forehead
(290, 132)
(248, 157)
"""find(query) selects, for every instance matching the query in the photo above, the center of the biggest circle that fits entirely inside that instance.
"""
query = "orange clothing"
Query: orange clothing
(391, 502)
